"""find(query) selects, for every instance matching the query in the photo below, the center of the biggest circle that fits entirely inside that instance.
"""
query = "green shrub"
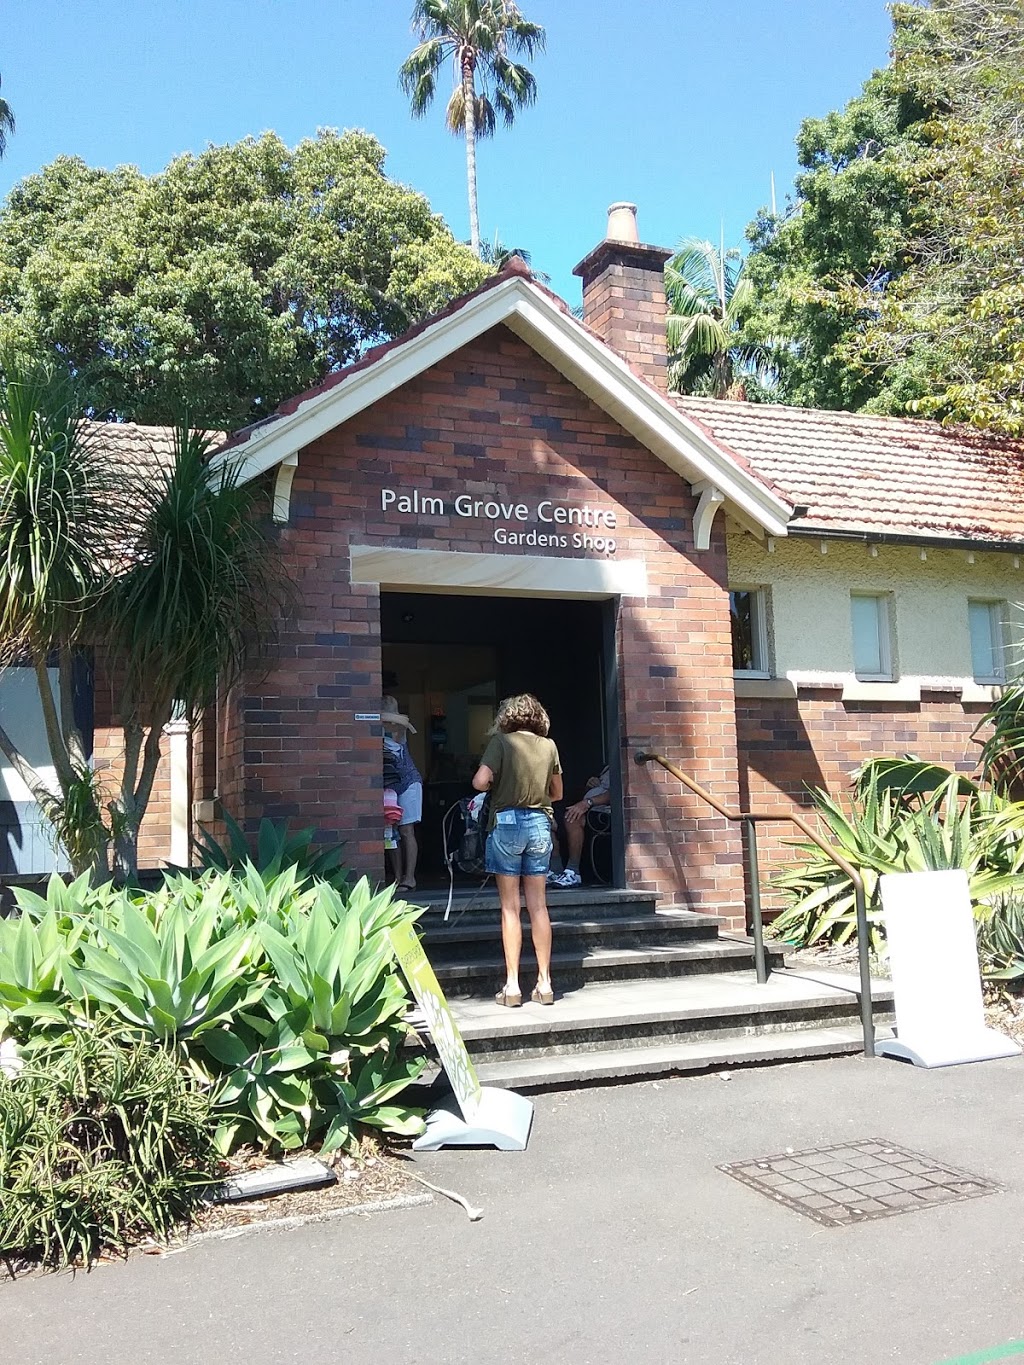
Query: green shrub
(103, 1140)
(904, 816)
(281, 996)
(276, 849)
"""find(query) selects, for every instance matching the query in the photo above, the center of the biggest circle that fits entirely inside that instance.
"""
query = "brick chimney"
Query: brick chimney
(624, 294)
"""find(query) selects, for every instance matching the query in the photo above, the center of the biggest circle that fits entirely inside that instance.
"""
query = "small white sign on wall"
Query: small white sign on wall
(933, 954)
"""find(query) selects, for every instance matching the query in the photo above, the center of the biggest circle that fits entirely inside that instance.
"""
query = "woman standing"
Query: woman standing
(408, 787)
(520, 769)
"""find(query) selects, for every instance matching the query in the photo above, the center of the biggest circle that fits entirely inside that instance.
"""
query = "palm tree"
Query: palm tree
(496, 253)
(707, 298)
(480, 37)
(6, 124)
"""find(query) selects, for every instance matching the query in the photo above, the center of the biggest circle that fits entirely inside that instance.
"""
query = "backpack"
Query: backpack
(470, 856)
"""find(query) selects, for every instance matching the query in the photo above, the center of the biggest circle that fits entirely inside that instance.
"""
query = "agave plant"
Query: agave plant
(281, 996)
(323, 1049)
(276, 849)
(904, 816)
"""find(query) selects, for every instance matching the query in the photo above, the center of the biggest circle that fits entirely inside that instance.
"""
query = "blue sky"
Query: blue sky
(684, 106)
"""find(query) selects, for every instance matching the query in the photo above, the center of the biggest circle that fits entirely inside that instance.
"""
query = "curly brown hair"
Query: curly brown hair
(522, 712)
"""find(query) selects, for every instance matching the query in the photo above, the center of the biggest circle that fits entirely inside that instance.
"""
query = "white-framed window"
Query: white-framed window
(871, 627)
(748, 610)
(987, 622)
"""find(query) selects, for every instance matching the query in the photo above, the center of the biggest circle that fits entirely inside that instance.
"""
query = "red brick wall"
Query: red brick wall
(108, 756)
(498, 421)
(818, 740)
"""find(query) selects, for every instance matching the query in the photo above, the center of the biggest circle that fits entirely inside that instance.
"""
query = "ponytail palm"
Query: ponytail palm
(708, 297)
(196, 601)
(57, 539)
(480, 38)
(173, 578)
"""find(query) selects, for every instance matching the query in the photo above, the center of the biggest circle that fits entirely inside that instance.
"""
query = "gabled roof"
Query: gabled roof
(853, 474)
(514, 299)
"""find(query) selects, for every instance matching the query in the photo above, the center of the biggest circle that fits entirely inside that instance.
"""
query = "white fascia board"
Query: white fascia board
(560, 339)
(330, 408)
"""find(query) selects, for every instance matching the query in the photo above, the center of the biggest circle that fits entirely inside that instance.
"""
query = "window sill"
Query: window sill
(900, 690)
(747, 685)
(981, 692)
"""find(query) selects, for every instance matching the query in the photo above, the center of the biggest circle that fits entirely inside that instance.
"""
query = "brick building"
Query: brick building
(508, 498)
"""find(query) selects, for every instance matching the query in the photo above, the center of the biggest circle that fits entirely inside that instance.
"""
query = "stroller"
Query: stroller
(464, 840)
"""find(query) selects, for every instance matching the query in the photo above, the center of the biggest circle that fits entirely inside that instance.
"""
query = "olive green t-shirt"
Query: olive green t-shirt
(523, 765)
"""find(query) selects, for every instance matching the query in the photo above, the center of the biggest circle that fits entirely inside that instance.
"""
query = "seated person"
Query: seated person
(598, 793)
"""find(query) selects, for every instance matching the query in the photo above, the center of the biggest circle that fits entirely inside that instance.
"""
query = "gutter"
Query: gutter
(892, 538)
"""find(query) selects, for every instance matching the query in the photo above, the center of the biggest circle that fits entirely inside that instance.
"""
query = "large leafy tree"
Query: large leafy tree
(482, 39)
(708, 296)
(895, 275)
(172, 579)
(226, 283)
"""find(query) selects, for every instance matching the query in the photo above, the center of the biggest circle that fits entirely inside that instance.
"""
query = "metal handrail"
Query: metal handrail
(750, 820)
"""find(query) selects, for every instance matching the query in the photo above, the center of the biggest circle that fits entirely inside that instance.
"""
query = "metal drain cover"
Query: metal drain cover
(855, 1181)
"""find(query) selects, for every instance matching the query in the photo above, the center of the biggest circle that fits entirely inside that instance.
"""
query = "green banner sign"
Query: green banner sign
(444, 1031)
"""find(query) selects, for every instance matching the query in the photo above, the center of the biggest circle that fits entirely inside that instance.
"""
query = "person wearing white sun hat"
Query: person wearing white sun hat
(408, 789)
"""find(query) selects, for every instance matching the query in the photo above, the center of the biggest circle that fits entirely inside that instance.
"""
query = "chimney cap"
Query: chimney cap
(622, 222)
(622, 245)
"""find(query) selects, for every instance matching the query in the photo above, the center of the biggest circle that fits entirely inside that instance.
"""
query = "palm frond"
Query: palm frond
(483, 110)
(6, 124)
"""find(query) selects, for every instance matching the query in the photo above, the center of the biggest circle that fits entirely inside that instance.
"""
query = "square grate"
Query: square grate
(855, 1181)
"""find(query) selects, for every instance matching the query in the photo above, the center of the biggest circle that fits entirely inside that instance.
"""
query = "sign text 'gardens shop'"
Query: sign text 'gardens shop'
(557, 525)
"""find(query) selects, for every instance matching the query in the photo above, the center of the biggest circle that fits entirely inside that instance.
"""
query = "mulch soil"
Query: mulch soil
(375, 1172)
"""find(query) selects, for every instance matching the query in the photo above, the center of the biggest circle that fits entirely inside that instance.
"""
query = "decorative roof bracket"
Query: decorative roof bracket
(283, 487)
(709, 500)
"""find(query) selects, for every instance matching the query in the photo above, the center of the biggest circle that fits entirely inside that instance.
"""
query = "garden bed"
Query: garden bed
(375, 1173)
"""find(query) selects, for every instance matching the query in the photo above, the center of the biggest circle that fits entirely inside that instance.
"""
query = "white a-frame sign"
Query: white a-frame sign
(933, 953)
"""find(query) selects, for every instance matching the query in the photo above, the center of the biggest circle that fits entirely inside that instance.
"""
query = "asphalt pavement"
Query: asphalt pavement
(613, 1238)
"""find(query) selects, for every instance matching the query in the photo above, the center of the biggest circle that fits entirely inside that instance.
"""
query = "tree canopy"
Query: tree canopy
(225, 283)
(893, 282)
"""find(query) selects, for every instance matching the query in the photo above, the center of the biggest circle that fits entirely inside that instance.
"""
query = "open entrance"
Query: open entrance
(450, 659)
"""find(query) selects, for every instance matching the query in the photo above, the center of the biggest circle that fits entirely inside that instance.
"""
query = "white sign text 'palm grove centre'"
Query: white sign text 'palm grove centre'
(571, 527)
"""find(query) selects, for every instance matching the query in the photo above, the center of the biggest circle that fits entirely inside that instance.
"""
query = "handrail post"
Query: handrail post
(754, 881)
(748, 819)
(867, 1014)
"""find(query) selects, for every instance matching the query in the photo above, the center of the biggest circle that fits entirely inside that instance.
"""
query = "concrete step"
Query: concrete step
(587, 902)
(619, 1015)
(614, 1064)
(466, 941)
(607, 960)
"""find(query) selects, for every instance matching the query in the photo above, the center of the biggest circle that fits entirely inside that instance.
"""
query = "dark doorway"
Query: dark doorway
(450, 660)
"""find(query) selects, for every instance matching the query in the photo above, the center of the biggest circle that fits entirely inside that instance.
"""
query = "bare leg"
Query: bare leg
(574, 836)
(410, 852)
(511, 928)
(394, 864)
(540, 927)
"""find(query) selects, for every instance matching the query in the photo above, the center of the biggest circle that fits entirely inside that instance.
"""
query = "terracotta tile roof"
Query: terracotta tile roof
(138, 451)
(876, 475)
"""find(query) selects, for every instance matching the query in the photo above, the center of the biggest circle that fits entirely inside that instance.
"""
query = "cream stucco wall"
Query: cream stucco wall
(809, 603)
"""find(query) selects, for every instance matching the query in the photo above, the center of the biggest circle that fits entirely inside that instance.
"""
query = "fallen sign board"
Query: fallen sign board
(933, 954)
(482, 1116)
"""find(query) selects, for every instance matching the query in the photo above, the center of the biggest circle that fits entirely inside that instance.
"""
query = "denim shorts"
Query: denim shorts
(519, 845)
